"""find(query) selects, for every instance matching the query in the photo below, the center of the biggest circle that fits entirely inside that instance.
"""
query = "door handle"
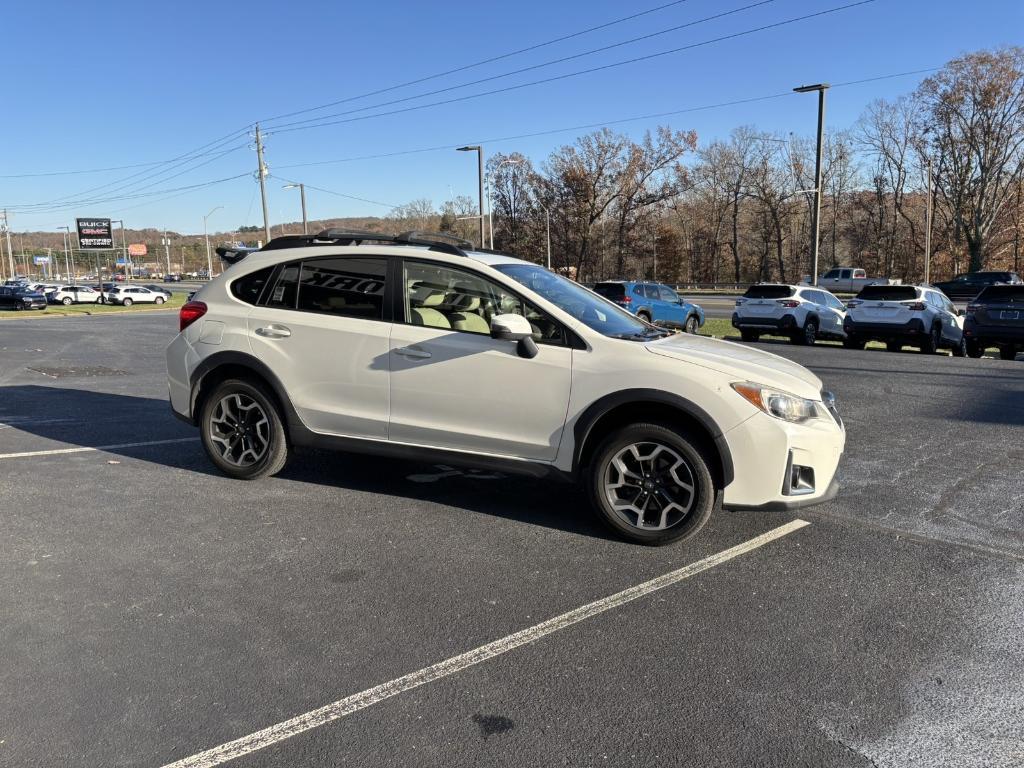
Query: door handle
(413, 353)
(274, 332)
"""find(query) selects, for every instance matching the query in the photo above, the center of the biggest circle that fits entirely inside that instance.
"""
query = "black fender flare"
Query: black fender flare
(602, 406)
(241, 360)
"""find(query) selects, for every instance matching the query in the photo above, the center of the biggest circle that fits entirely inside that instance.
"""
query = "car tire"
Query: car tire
(749, 335)
(960, 349)
(18, 307)
(126, 302)
(643, 448)
(158, 300)
(931, 344)
(251, 412)
(853, 343)
(975, 348)
(894, 346)
(67, 301)
(807, 335)
(691, 324)
(645, 316)
(1008, 352)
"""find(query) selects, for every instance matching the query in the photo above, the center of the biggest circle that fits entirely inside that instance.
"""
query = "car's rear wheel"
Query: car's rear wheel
(749, 335)
(651, 484)
(1008, 352)
(960, 348)
(691, 324)
(807, 336)
(975, 348)
(126, 302)
(242, 430)
(159, 300)
(930, 345)
(893, 346)
(66, 301)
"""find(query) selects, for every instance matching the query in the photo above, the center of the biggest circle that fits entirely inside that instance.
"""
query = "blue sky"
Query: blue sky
(93, 85)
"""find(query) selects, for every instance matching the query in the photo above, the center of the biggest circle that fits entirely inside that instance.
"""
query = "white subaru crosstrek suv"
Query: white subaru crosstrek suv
(415, 345)
(801, 313)
(900, 315)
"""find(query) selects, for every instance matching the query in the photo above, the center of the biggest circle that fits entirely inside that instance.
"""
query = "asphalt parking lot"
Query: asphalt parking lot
(154, 610)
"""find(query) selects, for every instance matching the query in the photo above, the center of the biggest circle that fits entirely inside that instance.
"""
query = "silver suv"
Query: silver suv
(905, 315)
(801, 313)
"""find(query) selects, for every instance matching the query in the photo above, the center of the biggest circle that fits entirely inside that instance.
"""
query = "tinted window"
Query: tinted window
(667, 294)
(888, 293)
(1002, 294)
(249, 287)
(610, 290)
(831, 274)
(768, 292)
(340, 286)
(286, 289)
(845, 273)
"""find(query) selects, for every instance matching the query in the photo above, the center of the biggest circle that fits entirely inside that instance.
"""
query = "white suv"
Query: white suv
(800, 312)
(417, 346)
(73, 294)
(126, 295)
(901, 315)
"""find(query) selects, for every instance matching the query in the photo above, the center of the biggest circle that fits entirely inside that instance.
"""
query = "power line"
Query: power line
(339, 194)
(480, 63)
(577, 73)
(532, 67)
(37, 174)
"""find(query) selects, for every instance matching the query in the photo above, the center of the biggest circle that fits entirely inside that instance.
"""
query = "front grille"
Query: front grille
(829, 400)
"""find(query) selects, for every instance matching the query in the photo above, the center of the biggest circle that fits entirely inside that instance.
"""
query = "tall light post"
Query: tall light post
(67, 258)
(816, 219)
(124, 247)
(206, 234)
(302, 195)
(480, 182)
(547, 221)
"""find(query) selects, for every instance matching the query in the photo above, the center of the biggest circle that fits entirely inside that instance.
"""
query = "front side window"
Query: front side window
(846, 274)
(667, 294)
(438, 296)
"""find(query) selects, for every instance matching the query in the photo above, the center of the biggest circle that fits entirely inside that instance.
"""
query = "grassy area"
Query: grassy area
(59, 310)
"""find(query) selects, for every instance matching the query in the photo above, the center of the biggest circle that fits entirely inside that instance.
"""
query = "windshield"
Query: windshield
(586, 306)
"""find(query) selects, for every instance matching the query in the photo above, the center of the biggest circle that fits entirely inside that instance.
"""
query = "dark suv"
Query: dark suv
(970, 285)
(996, 319)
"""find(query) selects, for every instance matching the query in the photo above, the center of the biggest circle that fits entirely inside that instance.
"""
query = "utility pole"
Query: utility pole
(67, 256)
(816, 216)
(928, 229)
(167, 251)
(10, 250)
(206, 234)
(480, 184)
(261, 172)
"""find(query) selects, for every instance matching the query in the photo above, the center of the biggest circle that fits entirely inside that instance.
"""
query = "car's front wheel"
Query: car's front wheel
(807, 336)
(749, 335)
(691, 324)
(975, 348)
(1008, 352)
(159, 300)
(960, 348)
(931, 343)
(242, 430)
(651, 485)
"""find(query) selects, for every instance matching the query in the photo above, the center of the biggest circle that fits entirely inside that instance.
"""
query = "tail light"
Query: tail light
(917, 306)
(189, 313)
(790, 304)
(972, 308)
(624, 300)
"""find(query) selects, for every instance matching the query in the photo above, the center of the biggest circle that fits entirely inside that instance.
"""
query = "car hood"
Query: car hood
(739, 362)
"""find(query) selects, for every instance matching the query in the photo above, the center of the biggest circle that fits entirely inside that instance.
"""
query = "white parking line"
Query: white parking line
(88, 449)
(358, 701)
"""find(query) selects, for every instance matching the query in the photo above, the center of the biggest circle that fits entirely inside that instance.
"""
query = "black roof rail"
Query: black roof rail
(437, 241)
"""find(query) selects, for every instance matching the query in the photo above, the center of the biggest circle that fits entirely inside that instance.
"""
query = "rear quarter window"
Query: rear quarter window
(769, 292)
(249, 288)
(888, 293)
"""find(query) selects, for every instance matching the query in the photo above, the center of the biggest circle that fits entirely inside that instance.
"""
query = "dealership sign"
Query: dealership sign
(94, 234)
(137, 249)
(40, 260)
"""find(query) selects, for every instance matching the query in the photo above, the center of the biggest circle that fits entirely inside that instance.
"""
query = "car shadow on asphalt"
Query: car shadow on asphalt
(83, 418)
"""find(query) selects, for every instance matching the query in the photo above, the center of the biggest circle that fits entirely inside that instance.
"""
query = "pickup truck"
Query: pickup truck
(850, 280)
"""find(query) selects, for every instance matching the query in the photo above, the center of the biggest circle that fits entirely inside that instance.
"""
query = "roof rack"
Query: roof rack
(436, 241)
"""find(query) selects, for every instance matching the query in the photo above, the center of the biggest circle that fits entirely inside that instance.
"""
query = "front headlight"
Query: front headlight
(774, 402)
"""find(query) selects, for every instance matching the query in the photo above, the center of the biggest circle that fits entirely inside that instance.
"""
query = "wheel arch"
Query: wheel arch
(630, 406)
(222, 366)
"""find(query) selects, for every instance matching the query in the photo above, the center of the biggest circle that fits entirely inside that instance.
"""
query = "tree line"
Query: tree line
(739, 209)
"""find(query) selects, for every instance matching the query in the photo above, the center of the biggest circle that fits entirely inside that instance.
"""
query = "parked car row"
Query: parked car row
(37, 295)
(918, 316)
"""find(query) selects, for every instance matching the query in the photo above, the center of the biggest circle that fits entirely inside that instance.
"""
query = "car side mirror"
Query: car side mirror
(515, 328)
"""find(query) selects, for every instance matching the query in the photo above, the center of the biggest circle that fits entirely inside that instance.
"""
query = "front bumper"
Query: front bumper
(764, 449)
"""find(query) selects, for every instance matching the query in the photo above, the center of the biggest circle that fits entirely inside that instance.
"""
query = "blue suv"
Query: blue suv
(653, 302)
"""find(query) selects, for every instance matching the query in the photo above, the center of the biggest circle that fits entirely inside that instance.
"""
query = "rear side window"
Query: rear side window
(888, 293)
(999, 294)
(769, 292)
(343, 286)
(610, 290)
(249, 287)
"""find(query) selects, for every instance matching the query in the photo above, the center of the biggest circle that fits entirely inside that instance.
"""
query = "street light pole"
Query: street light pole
(206, 234)
(124, 247)
(928, 229)
(67, 260)
(547, 221)
(816, 218)
(480, 183)
(302, 196)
